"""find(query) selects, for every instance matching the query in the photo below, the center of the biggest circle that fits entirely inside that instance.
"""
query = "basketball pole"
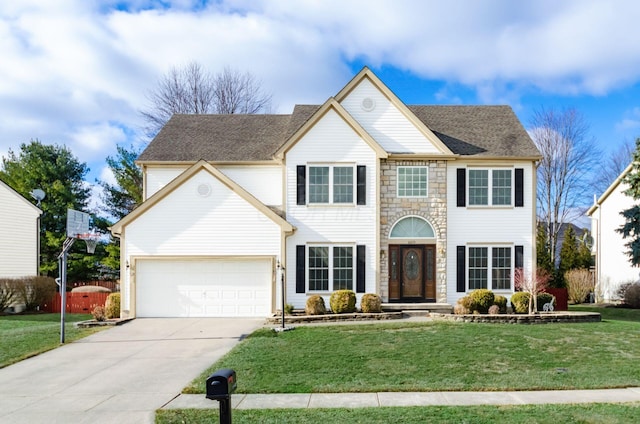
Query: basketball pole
(62, 267)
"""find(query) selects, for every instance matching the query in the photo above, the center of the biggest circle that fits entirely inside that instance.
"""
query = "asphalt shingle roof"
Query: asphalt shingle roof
(491, 131)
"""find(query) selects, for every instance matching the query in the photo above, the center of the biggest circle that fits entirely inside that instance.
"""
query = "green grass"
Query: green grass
(528, 414)
(610, 312)
(435, 356)
(24, 336)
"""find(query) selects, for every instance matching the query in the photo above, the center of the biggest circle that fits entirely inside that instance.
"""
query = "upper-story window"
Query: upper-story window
(412, 181)
(490, 187)
(330, 184)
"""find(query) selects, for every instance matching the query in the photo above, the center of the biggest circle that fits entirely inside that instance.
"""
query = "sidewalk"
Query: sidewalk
(387, 399)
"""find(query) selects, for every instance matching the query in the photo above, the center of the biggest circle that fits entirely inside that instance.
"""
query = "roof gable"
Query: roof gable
(19, 198)
(117, 228)
(609, 190)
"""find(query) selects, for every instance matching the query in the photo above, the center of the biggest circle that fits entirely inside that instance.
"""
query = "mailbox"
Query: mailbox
(221, 384)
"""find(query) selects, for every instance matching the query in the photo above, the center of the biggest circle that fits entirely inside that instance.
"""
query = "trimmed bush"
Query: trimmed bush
(632, 296)
(460, 309)
(288, 309)
(371, 303)
(520, 302)
(494, 310)
(501, 303)
(90, 289)
(112, 306)
(343, 301)
(315, 305)
(98, 313)
(481, 300)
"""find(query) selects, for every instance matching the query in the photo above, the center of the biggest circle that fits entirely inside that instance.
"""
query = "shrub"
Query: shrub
(90, 289)
(112, 306)
(460, 309)
(481, 300)
(501, 303)
(544, 298)
(579, 284)
(520, 302)
(371, 303)
(98, 313)
(343, 301)
(494, 310)
(35, 291)
(7, 292)
(315, 305)
(288, 309)
(632, 296)
(622, 289)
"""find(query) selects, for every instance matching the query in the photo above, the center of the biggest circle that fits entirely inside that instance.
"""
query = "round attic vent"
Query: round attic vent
(204, 189)
(368, 104)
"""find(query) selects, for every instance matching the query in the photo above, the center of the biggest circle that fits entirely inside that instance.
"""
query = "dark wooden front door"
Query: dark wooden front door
(412, 273)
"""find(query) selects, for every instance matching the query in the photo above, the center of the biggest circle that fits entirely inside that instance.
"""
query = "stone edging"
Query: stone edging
(107, 323)
(302, 319)
(540, 318)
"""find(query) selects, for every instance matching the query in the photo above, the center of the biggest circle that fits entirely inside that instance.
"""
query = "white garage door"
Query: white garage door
(203, 288)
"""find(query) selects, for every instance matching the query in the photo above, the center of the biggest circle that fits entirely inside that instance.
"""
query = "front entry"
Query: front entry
(412, 273)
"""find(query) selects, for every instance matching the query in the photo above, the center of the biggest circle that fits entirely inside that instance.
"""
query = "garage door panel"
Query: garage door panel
(203, 288)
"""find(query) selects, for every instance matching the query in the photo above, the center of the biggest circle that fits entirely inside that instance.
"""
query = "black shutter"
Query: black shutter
(462, 186)
(300, 274)
(360, 269)
(460, 268)
(361, 186)
(519, 187)
(302, 184)
(519, 257)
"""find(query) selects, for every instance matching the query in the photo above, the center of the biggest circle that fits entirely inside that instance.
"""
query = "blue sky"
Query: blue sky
(76, 72)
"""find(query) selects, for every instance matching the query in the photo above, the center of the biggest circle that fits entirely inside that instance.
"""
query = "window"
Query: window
(339, 191)
(499, 273)
(330, 268)
(412, 227)
(490, 187)
(412, 181)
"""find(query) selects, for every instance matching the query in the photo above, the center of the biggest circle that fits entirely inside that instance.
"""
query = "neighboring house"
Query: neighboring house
(19, 234)
(613, 266)
(414, 203)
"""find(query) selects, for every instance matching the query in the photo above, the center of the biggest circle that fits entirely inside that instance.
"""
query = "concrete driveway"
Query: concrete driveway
(120, 375)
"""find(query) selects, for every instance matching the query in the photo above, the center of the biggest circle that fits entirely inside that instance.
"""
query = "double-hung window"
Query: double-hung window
(412, 181)
(492, 264)
(330, 268)
(331, 184)
(490, 187)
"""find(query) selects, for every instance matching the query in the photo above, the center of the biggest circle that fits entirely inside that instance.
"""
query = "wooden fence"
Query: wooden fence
(77, 303)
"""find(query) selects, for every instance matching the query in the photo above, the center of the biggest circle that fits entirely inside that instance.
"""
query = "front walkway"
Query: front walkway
(386, 399)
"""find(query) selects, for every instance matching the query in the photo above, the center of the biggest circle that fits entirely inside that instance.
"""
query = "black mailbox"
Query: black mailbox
(221, 384)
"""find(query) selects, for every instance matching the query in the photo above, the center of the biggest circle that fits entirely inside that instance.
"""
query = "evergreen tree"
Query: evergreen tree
(631, 228)
(569, 251)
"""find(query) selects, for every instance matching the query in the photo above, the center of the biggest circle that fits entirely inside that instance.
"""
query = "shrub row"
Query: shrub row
(343, 302)
(484, 301)
(31, 291)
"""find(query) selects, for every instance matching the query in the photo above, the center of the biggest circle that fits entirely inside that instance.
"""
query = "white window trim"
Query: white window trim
(489, 247)
(330, 247)
(331, 166)
(490, 188)
(398, 182)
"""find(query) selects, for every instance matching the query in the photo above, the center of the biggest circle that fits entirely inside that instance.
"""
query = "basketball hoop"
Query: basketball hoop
(91, 240)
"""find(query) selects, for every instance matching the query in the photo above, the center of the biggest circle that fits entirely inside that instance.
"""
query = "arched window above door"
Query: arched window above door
(412, 227)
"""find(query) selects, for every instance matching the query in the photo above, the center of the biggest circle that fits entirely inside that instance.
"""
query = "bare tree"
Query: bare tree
(568, 155)
(194, 90)
(611, 168)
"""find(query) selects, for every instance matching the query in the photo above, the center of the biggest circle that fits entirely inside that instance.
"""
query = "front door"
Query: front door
(412, 273)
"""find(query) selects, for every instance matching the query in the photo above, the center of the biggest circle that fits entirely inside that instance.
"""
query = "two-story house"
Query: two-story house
(414, 203)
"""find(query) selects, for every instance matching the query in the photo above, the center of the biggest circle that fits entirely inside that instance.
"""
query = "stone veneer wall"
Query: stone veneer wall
(433, 208)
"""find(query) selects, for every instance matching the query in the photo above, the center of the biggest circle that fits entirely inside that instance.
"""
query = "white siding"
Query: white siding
(613, 265)
(18, 235)
(331, 141)
(158, 177)
(185, 223)
(262, 181)
(385, 123)
(486, 226)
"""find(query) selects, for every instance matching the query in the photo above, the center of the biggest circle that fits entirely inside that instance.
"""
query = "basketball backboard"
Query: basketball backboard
(77, 223)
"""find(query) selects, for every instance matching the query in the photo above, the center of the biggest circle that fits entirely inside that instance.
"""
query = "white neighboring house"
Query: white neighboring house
(19, 234)
(613, 265)
(418, 204)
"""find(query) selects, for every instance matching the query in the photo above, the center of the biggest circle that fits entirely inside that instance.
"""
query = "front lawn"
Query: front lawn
(518, 414)
(435, 356)
(23, 336)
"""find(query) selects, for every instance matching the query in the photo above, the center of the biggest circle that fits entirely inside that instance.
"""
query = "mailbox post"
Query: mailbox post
(220, 385)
